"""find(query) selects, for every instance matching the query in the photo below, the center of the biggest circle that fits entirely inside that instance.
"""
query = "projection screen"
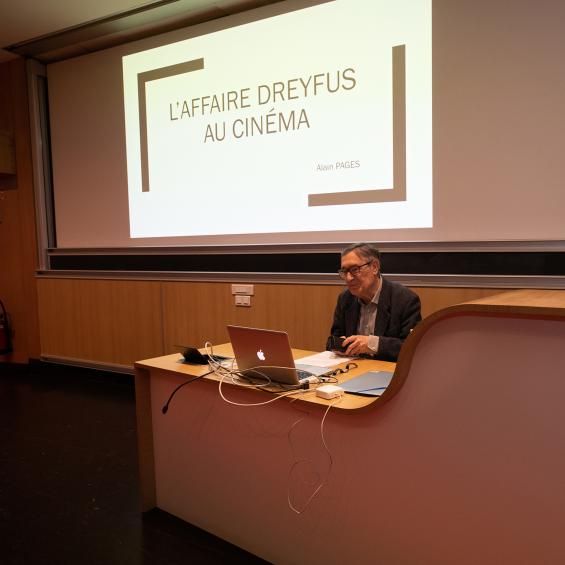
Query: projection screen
(317, 122)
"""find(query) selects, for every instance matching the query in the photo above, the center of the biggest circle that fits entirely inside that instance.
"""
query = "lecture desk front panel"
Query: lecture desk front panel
(464, 462)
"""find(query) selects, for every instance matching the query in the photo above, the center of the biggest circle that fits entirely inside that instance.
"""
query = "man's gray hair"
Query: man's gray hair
(366, 250)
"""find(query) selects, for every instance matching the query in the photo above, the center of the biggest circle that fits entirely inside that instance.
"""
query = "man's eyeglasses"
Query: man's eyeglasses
(353, 271)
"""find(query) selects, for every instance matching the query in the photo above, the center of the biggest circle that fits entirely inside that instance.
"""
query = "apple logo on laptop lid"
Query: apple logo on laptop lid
(261, 355)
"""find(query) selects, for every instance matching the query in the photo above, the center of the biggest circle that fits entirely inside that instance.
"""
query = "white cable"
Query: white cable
(221, 371)
(322, 426)
(224, 372)
(296, 463)
(274, 399)
(214, 363)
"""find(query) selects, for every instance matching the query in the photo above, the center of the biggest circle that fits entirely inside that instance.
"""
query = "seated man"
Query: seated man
(373, 314)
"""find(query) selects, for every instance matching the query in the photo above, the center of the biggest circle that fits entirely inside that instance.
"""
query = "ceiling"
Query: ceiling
(52, 30)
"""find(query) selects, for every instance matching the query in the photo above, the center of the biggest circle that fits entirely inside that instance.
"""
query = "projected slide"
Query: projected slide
(318, 119)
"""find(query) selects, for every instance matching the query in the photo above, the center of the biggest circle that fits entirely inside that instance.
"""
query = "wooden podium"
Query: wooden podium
(461, 460)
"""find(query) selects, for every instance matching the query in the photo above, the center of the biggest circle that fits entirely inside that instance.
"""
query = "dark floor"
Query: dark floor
(68, 477)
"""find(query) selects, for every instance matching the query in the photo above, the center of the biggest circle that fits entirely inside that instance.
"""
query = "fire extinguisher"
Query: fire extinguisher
(5, 331)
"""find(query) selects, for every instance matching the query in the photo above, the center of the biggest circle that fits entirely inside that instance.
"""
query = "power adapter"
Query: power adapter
(329, 391)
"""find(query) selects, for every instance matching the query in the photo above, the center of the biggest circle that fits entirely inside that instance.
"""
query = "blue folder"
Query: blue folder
(372, 383)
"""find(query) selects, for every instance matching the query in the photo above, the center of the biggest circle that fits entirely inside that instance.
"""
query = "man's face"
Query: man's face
(365, 283)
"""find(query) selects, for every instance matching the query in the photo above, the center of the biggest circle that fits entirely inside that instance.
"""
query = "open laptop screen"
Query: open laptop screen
(267, 352)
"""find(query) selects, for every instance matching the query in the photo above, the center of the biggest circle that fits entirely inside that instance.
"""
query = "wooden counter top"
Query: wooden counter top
(349, 402)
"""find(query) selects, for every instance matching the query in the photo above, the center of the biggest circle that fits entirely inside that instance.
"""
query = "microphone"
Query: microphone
(165, 408)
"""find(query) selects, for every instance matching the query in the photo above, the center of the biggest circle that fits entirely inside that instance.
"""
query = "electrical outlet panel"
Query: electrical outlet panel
(245, 289)
(242, 300)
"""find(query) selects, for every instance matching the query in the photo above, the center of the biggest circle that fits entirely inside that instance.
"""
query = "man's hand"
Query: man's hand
(356, 345)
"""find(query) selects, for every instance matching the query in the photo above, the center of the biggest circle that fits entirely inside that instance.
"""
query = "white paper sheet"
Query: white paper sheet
(324, 359)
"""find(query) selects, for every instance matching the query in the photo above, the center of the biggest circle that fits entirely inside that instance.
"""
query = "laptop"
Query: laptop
(268, 352)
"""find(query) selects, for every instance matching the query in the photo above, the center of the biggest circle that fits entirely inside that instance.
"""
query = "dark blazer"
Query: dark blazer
(398, 312)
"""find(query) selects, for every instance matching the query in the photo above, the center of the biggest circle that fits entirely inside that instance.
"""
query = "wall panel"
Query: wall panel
(101, 321)
(18, 255)
(117, 322)
(195, 312)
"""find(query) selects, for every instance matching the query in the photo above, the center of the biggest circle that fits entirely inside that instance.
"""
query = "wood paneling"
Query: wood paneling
(119, 322)
(18, 242)
(116, 322)
(195, 312)
(305, 312)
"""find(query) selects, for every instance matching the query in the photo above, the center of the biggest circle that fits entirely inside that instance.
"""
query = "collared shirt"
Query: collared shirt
(368, 318)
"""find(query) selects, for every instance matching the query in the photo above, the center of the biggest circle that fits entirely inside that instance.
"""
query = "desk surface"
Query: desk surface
(174, 364)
